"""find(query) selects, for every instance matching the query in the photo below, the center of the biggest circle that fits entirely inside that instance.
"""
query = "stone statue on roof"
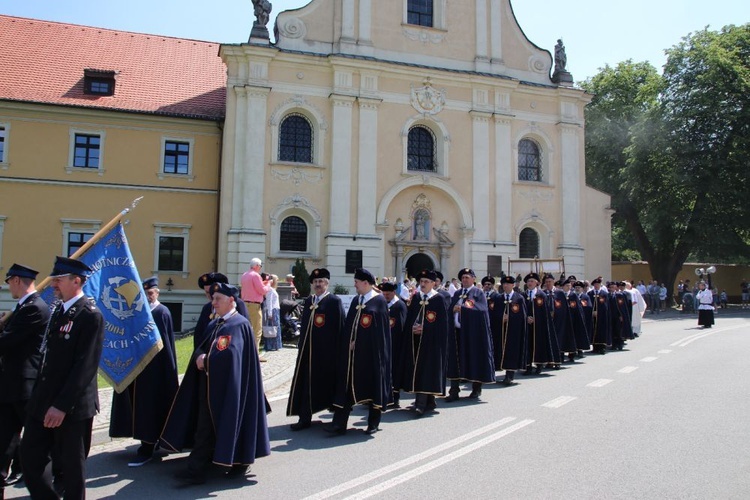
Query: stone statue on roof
(561, 59)
(262, 11)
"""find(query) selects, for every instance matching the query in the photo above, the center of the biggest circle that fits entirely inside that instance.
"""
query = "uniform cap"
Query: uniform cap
(20, 271)
(152, 282)
(65, 266)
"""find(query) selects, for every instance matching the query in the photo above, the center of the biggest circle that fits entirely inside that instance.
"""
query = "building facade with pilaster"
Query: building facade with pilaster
(404, 135)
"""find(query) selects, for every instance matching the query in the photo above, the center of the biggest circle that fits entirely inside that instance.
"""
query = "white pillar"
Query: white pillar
(239, 156)
(481, 30)
(341, 164)
(572, 166)
(347, 21)
(496, 30)
(365, 22)
(254, 139)
(481, 174)
(368, 166)
(503, 180)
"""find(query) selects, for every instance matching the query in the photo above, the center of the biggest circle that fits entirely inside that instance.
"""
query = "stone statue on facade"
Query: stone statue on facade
(561, 74)
(262, 11)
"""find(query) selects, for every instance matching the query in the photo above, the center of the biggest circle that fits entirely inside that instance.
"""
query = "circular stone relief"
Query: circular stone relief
(293, 28)
(538, 64)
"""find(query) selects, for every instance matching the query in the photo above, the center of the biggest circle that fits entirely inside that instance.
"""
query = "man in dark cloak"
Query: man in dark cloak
(141, 409)
(602, 336)
(314, 378)
(363, 363)
(207, 312)
(618, 315)
(558, 304)
(440, 289)
(470, 357)
(424, 348)
(587, 308)
(397, 313)
(576, 320)
(509, 310)
(627, 327)
(219, 409)
(541, 347)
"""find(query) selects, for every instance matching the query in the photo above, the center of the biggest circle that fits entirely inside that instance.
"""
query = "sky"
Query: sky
(595, 32)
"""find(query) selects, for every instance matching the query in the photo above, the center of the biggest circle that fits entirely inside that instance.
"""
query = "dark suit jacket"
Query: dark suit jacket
(19, 349)
(67, 377)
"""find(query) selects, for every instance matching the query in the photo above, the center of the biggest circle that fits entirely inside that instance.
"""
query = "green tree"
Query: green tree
(301, 278)
(672, 149)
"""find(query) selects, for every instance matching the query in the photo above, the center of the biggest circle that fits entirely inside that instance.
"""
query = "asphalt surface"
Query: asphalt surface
(662, 419)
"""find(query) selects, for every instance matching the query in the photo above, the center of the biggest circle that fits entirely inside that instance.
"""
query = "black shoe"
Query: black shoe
(419, 411)
(556, 366)
(186, 476)
(334, 429)
(475, 394)
(301, 425)
(451, 398)
(538, 370)
(529, 371)
(572, 357)
(508, 381)
(237, 471)
(371, 430)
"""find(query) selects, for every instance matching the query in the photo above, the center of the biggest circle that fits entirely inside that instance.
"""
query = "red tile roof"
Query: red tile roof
(43, 62)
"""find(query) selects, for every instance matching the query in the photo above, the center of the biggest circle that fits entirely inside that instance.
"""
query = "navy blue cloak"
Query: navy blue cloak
(470, 355)
(235, 397)
(509, 337)
(363, 372)
(578, 322)
(207, 315)
(541, 347)
(566, 341)
(587, 308)
(602, 326)
(141, 409)
(315, 372)
(423, 357)
(397, 314)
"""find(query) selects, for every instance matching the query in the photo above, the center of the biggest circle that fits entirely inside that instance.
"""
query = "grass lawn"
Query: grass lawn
(184, 347)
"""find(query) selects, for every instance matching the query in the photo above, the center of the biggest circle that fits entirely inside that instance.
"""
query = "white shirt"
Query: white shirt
(67, 304)
(272, 301)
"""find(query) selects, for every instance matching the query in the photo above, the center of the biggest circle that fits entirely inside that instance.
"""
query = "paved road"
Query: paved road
(665, 418)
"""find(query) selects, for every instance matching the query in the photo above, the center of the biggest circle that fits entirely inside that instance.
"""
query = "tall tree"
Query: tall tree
(672, 150)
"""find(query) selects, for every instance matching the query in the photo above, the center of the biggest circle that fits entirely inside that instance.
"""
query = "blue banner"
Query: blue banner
(131, 338)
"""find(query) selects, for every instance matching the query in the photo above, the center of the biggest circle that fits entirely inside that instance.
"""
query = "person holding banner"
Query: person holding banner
(20, 338)
(61, 410)
(141, 409)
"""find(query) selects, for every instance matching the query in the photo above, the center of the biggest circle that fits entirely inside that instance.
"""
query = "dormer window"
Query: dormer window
(99, 82)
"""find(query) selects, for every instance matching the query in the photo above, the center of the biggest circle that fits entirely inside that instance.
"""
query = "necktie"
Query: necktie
(507, 298)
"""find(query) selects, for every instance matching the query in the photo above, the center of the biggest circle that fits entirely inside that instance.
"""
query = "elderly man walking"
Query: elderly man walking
(253, 291)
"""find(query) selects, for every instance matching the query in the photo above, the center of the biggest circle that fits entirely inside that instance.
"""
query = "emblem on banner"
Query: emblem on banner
(122, 297)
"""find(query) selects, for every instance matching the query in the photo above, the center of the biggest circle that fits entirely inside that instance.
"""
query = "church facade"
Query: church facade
(405, 135)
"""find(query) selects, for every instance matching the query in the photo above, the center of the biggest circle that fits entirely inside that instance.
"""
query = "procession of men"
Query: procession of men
(427, 346)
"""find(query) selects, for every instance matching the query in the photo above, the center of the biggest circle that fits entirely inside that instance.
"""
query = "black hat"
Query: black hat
(203, 281)
(152, 282)
(21, 272)
(530, 276)
(364, 275)
(488, 279)
(321, 272)
(65, 266)
(620, 283)
(218, 278)
(439, 275)
(579, 283)
(224, 289)
(387, 286)
(468, 271)
(572, 277)
(560, 282)
(508, 279)
(548, 276)
(427, 274)
(596, 280)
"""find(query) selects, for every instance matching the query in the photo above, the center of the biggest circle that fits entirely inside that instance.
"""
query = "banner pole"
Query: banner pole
(92, 241)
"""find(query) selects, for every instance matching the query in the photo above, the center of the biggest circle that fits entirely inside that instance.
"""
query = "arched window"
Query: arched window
(419, 12)
(529, 161)
(421, 153)
(296, 139)
(528, 244)
(293, 235)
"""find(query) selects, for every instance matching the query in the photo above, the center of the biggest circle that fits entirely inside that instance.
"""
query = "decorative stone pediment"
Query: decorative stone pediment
(426, 99)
